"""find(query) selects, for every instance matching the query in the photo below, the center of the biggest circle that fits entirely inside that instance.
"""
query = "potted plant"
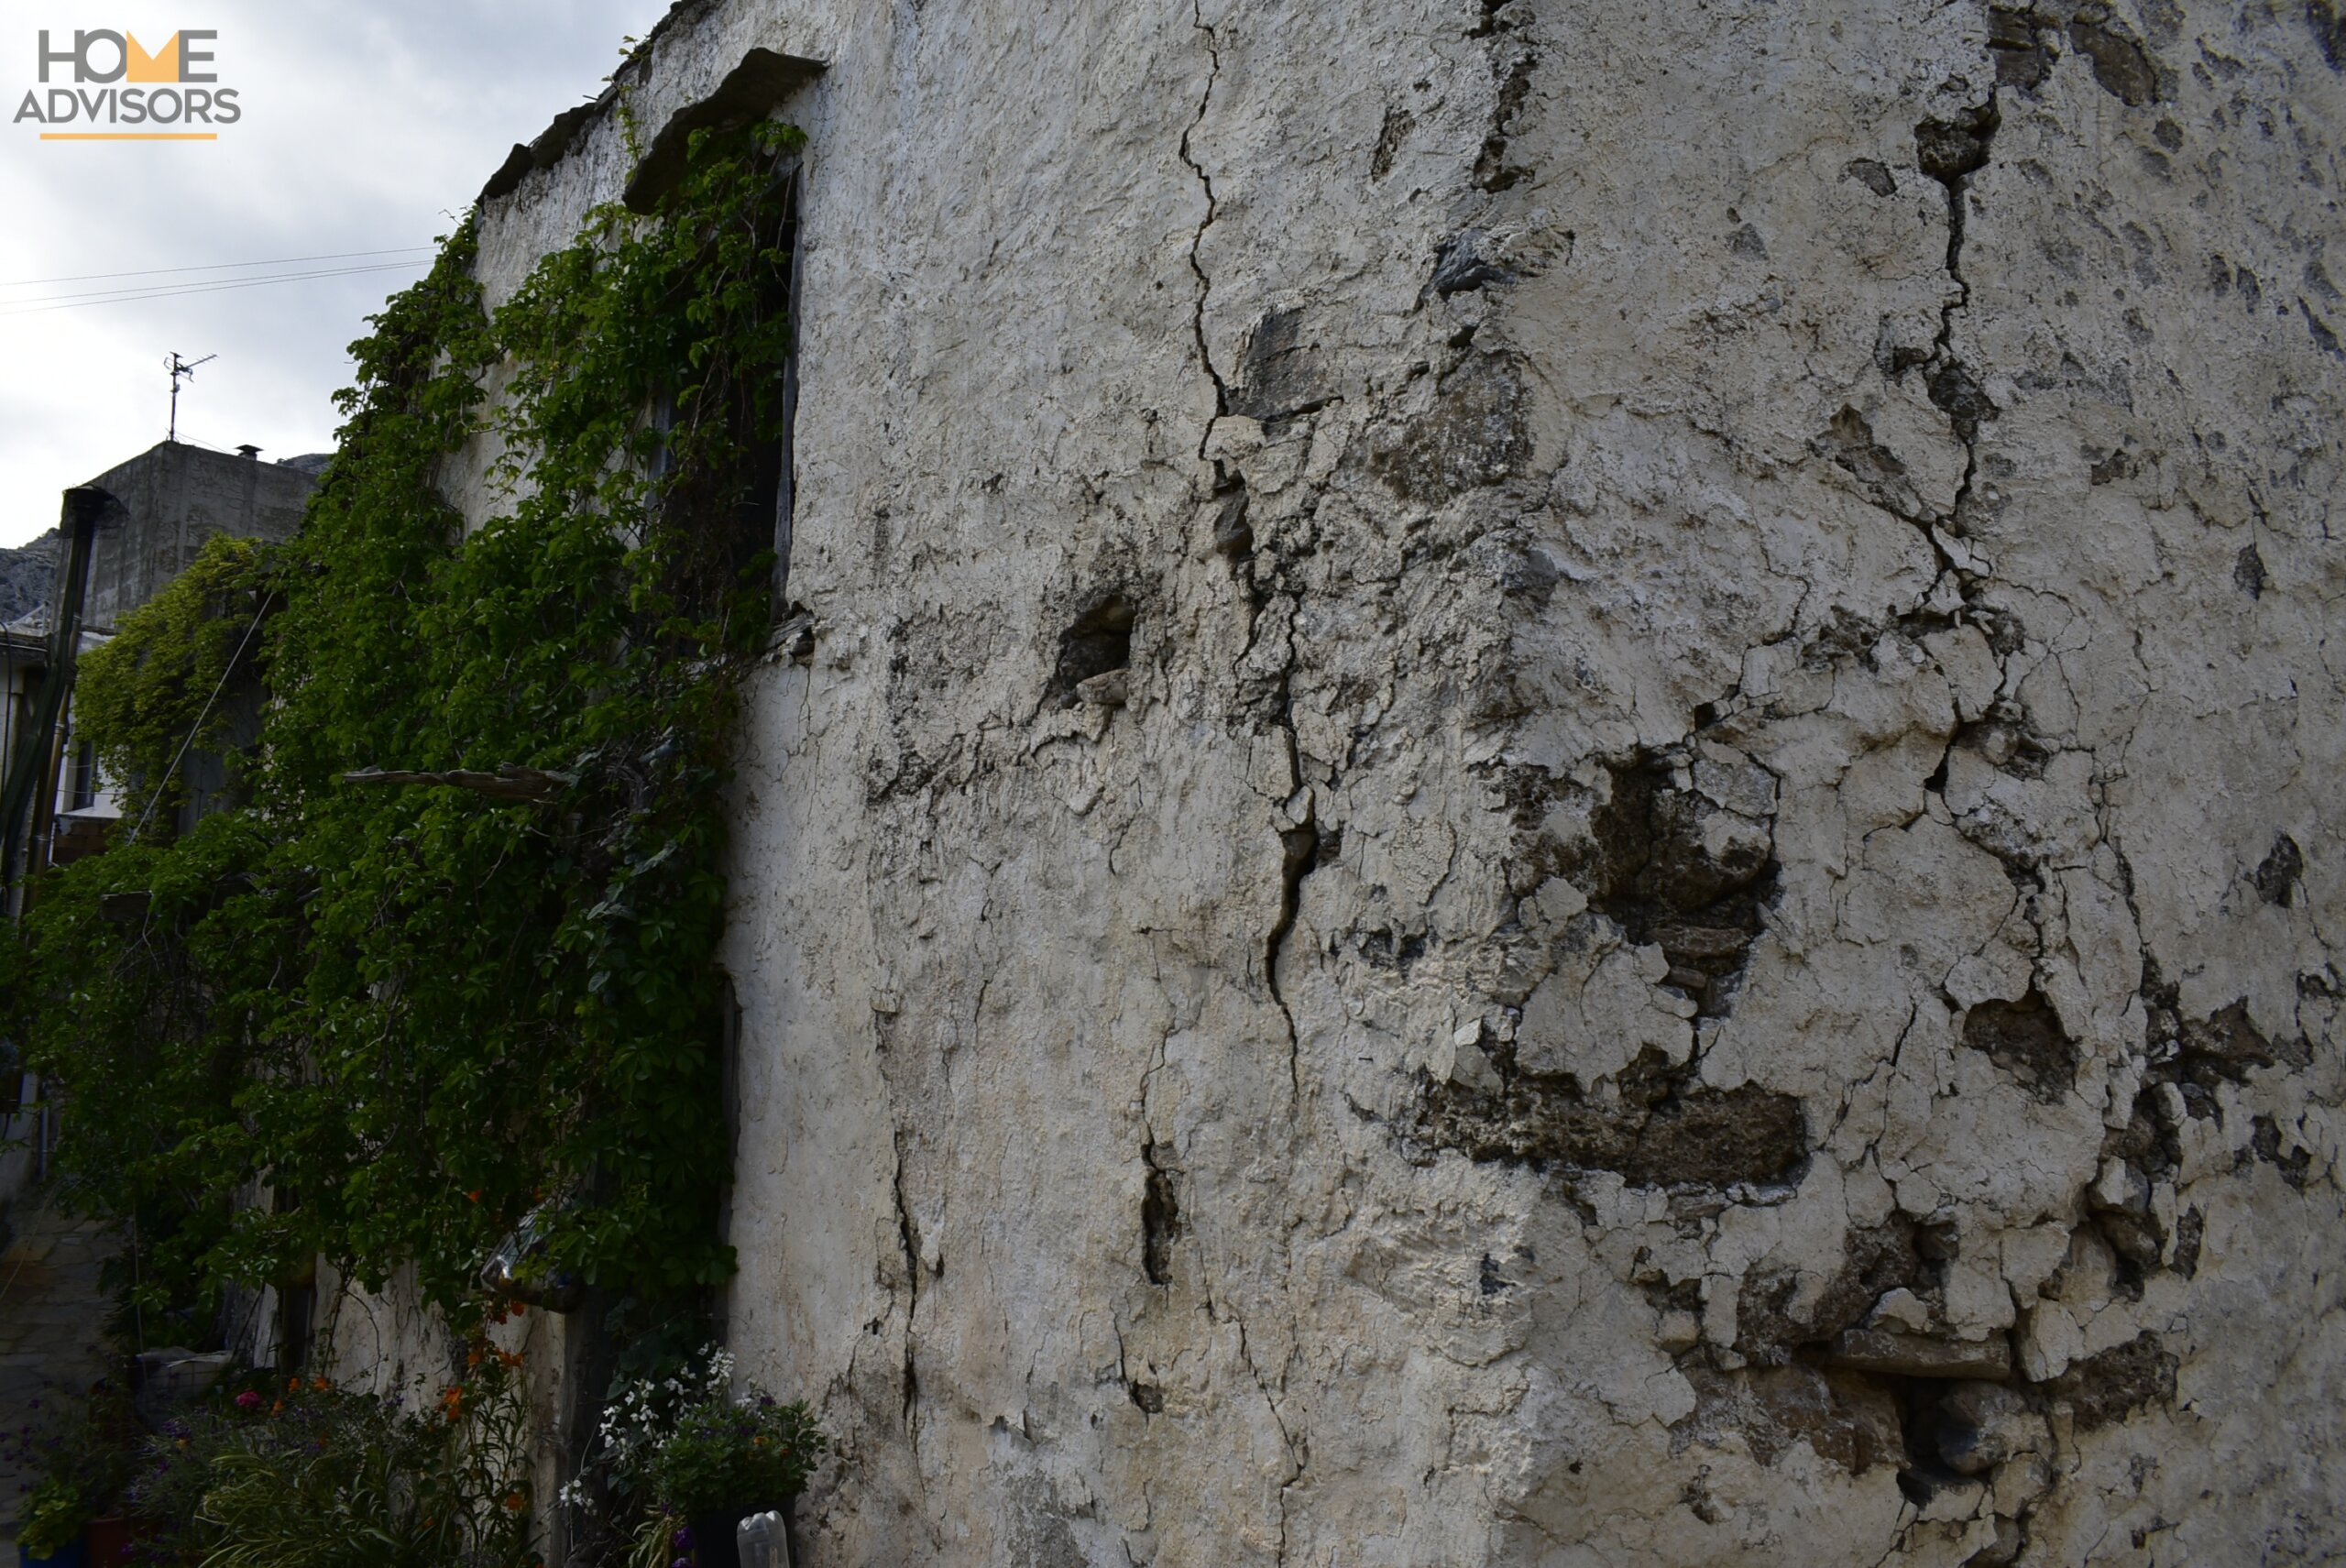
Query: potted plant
(723, 1461)
(51, 1531)
(83, 1448)
(696, 1458)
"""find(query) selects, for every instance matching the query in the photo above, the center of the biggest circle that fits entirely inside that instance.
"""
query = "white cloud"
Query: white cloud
(365, 125)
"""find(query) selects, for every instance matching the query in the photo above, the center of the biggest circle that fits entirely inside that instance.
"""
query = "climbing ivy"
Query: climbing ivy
(386, 1022)
(157, 688)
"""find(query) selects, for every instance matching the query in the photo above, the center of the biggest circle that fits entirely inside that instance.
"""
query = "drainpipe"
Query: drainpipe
(37, 756)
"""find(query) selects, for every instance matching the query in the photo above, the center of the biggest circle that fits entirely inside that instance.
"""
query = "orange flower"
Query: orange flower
(277, 1409)
(515, 1502)
(452, 1399)
(474, 1196)
(319, 1384)
(510, 1357)
(472, 1357)
(293, 1385)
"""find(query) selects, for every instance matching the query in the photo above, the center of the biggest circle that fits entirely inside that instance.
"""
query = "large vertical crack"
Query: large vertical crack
(1160, 1214)
(1298, 855)
(907, 1239)
(1197, 240)
(1300, 843)
(1950, 151)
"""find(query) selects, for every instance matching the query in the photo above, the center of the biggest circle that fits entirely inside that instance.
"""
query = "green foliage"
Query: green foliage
(54, 1515)
(725, 1456)
(299, 1475)
(159, 684)
(322, 1479)
(407, 1017)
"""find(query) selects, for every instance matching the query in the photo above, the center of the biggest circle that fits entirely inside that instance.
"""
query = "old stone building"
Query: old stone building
(157, 511)
(1544, 784)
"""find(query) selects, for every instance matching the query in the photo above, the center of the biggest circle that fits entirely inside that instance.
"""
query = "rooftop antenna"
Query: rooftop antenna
(179, 367)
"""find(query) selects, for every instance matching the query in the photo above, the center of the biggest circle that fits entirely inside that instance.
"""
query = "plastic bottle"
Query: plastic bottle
(763, 1542)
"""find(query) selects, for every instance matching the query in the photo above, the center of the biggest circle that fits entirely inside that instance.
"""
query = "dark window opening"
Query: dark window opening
(730, 518)
(784, 453)
(297, 1306)
(85, 777)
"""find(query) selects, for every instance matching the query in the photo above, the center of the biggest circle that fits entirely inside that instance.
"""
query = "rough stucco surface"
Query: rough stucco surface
(1709, 931)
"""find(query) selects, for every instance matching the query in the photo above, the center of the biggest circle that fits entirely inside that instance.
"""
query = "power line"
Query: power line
(206, 283)
(150, 289)
(153, 800)
(214, 267)
(127, 297)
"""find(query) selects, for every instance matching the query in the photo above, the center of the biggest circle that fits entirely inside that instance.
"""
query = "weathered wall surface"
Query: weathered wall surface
(1709, 931)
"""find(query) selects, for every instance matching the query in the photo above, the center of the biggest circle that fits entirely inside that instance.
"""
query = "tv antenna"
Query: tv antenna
(180, 367)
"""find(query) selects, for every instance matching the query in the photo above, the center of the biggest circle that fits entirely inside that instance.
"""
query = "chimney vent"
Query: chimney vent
(249, 452)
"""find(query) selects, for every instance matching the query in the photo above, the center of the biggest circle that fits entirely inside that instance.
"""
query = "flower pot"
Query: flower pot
(713, 1539)
(74, 1556)
(110, 1541)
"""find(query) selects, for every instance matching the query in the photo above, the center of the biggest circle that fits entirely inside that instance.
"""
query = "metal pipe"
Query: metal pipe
(86, 506)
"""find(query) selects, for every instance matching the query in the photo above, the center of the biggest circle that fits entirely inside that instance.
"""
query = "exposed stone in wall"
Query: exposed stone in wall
(1561, 783)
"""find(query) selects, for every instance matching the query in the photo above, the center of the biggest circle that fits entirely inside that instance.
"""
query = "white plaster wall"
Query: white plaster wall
(1318, 1114)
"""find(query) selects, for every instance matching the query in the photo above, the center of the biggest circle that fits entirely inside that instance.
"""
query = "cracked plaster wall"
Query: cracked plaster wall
(1704, 927)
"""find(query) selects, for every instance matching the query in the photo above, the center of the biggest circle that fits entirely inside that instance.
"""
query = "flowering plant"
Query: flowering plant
(685, 1446)
(321, 1477)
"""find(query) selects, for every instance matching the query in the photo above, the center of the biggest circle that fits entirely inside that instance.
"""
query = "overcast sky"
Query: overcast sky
(366, 124)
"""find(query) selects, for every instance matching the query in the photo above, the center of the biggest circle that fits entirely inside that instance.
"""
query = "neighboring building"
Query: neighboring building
(84, 802)
(1709, 929)
(178, 495)
(172, 498)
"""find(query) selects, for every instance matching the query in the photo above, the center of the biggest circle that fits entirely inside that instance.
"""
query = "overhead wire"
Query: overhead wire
(131, 296)
(209, 283)
(214, 267)
(205, 713)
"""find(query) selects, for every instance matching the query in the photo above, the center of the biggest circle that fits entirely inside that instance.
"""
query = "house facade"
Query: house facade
(1540, 784)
